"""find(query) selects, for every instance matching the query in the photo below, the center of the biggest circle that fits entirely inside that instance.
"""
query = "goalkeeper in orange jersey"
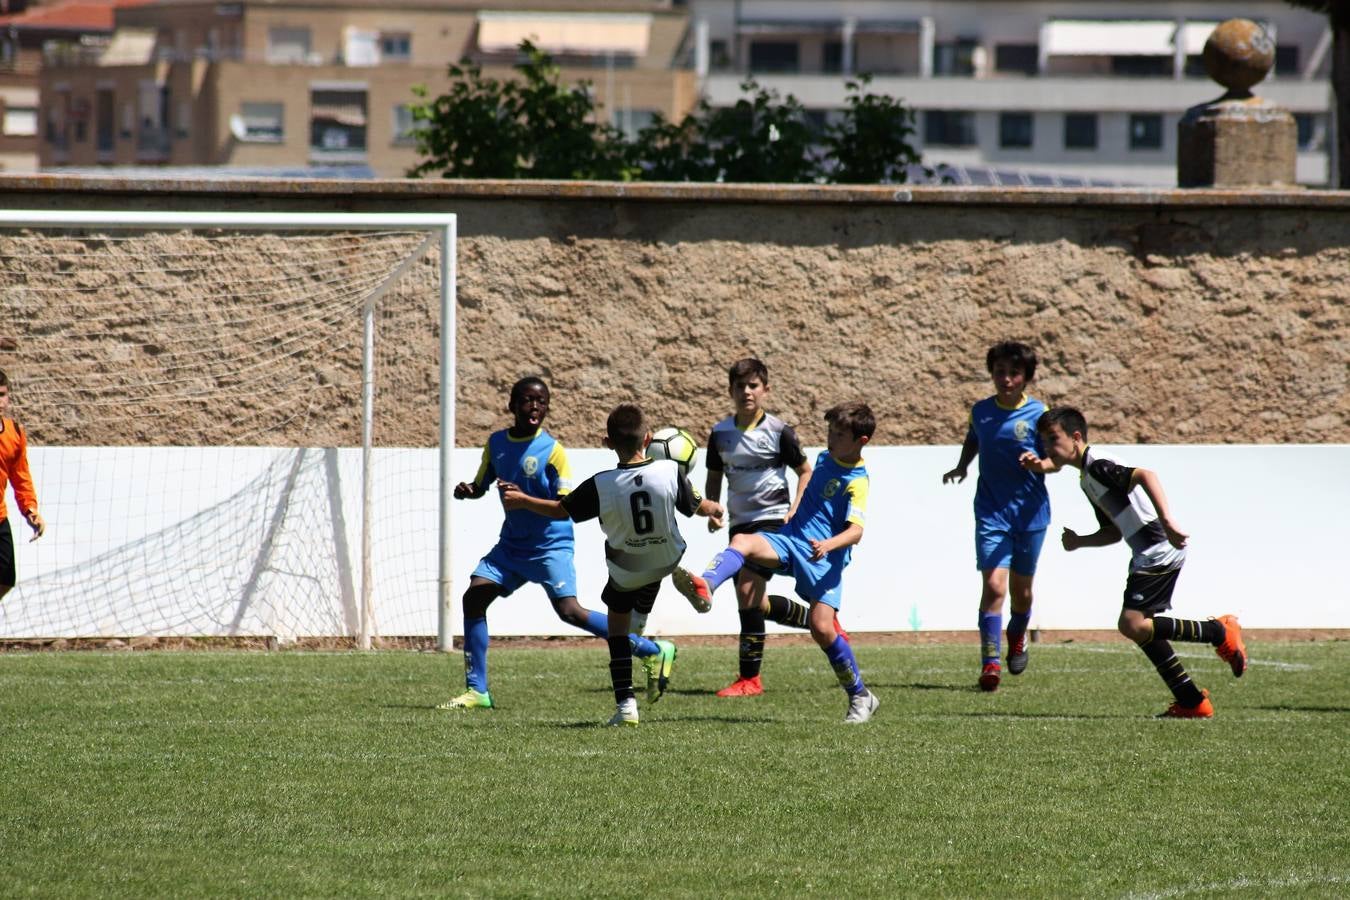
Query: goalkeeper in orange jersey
(14, 470)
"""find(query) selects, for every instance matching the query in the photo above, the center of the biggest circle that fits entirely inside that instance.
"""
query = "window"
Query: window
(832, 57)
(105, 129)
(1312, 131)
(21, 121)
(1080, 131)
(1195, 66)
(1286, 59)
(949, 128)
(1015, 129)
(1142, 66)
(1146, 131)
(719, 56)
(1017, 58)
(405, 126)
(287, 45)
(261, 123)
(395, 46)
(955, 57)
(337, 122)
(773, 56)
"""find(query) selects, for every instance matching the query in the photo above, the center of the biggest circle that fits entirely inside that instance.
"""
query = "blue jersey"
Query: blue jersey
(835, 496)
(1008, 496)
(539, 466)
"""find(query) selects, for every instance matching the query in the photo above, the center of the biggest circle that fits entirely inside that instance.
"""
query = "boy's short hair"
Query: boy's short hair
(745, 369)
(1020, 355)
(518, 389)
(626, 427)
(856, 417)
(1066, 417)
(4, 379)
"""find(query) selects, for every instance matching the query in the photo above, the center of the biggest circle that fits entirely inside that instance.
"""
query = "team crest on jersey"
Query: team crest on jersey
(529, 465)
(831, 488)
(1020, 429)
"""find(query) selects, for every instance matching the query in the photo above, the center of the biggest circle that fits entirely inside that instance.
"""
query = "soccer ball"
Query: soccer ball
(676, 444)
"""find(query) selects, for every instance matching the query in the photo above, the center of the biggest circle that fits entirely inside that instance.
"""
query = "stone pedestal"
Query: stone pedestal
(1238, 140)
(1236, 143)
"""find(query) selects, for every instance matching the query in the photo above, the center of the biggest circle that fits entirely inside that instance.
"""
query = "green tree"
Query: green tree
(870, 144)
(1338, 14)
(527, 127)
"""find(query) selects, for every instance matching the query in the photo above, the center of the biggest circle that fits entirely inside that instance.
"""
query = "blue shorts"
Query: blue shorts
(554, 569)
(999, 548)
(817, 579)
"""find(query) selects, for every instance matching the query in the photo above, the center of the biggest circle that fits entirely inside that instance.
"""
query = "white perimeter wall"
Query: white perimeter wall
(1268, 526)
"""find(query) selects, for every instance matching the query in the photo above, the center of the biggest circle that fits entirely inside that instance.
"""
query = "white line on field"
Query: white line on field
(1192, 654)
(1240, 883)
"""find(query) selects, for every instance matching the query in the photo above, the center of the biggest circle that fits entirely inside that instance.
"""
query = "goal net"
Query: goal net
(237, 423)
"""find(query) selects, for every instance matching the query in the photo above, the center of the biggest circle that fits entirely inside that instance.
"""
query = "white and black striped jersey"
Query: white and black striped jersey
(755, 461)
(1107, 484)
(636, 504)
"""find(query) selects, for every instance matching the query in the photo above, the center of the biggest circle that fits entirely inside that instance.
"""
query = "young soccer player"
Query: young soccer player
(1130, 504)
(815, 546)
(636, 505)
(14, 470)
(532, 548)
(754, 450)
(1012, 506)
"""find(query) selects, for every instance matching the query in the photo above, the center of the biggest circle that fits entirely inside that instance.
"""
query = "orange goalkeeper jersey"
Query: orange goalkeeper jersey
(14, 468)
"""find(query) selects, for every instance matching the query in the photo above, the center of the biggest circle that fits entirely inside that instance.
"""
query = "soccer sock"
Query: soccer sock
(1017, 624)
(752, 642)
(643, 646)
(1189, 630)
(786, 611)
(621, 668)
(845, 666)
(475, 654)
(597, 623)
(990, 625)
(722, 567)
(1173, 673)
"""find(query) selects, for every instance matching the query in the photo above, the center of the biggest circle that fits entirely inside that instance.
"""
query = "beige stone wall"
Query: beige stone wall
(1166, 320)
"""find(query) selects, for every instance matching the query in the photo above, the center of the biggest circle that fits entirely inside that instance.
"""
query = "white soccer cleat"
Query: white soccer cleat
(626, 713)
(860, 708)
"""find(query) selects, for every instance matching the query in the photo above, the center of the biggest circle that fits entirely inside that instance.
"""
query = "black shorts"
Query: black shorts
(625, 600)
(771, 525)
(1151, 592)
(8, 576)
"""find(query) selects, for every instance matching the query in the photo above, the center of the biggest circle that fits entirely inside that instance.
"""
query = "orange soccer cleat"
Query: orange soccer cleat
(1202, 710)
(743, 687)
(1232, 650)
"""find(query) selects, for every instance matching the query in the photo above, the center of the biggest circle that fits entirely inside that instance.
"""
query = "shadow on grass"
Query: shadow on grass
(675, 720)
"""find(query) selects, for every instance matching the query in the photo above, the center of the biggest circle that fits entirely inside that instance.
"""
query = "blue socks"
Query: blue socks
(475, 654)
(990, 626)
(597, 623)
(1017, 623)
(722, 567)
(840, 655)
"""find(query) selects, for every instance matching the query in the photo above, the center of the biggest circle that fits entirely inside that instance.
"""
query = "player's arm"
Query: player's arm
(1036, 461)
(855, 519)
(1106, 534)
(790, 455)
(689, 503)
(472, 490)
(1152, 485)
(968, 451)
(25, 495)
(712, 484)
(514, 498)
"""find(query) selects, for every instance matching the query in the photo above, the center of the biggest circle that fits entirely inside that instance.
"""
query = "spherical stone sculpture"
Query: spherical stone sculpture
(1238, 54)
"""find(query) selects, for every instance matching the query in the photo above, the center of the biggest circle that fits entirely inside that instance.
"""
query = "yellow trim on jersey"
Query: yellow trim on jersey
(557, 458)
(483, 465)
(751, 426)
(513, 438)
(844, 465)
(858, 490)
(1020, 403)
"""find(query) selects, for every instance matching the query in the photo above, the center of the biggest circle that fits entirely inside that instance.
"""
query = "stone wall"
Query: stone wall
(1168, 317)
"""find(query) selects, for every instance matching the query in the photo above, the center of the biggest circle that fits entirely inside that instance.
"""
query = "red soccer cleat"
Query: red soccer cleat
(1202, 710)
(1232, 650)
(694, 589)
(743, 687)
(989, 678)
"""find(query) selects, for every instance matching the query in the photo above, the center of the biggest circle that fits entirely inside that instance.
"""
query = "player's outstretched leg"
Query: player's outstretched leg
(1223, 633)
(1231, 649)
(694, 588)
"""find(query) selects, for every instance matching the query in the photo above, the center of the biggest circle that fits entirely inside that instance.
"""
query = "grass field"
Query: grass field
(330, 774)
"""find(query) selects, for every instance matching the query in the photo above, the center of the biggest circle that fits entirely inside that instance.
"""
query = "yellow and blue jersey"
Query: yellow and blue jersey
(538, 464)
(835, 497)
(1007, 495)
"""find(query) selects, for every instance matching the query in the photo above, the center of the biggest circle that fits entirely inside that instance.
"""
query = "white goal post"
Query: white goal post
(180, 335)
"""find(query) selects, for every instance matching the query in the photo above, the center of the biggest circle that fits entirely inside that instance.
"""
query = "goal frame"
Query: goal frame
(440, 227)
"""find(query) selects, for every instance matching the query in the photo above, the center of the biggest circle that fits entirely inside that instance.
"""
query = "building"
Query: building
(1091, 90)
(296, 83)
